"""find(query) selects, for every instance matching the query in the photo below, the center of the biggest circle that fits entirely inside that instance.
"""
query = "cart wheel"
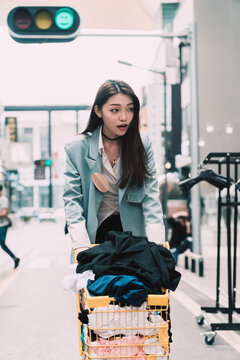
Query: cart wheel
(200, 320)
(209, 339)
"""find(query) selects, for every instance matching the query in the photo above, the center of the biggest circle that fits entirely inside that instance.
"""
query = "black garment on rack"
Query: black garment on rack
(126, 254)
(210, 176)
(238, 185)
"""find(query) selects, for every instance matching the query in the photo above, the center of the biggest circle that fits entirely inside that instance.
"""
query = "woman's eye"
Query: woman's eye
(114, 110)
(131, 109)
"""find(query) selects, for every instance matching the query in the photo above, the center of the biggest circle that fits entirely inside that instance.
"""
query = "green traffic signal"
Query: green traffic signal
(32, 24)
(48, 162)
(42, 162)
(64, 18)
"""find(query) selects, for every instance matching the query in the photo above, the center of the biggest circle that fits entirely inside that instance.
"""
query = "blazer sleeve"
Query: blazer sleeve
(152, 209)
(73, 204)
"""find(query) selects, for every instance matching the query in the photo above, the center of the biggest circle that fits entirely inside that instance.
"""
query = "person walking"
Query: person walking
(4, 223)
(110, 173)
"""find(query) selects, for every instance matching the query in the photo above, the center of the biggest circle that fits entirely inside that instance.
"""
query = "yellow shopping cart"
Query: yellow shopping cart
(112, 331)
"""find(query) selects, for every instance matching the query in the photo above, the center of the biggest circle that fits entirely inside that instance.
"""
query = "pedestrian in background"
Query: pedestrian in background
(110, 173)
(181, 237)
(4, 223)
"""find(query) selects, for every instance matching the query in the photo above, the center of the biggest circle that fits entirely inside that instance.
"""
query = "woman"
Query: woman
(110, 173)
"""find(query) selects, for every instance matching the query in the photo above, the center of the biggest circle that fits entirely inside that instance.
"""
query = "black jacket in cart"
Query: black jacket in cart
(125, 254)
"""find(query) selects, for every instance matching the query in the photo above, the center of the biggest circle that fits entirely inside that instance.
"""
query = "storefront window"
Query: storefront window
(43, 196)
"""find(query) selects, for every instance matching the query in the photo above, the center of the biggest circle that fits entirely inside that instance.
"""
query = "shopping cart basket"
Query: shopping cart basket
(108, 330)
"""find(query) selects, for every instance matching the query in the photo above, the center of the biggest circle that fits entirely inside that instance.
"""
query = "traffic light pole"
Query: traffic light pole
(50, 193)
(165, 194)
(195, 191)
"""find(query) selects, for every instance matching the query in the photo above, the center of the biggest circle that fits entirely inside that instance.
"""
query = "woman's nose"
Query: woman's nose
(123, 115)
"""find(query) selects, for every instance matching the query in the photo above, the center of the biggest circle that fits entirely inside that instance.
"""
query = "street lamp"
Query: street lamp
(164, 193)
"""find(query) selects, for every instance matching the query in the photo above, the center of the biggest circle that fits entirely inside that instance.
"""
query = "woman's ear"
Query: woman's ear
(97, 111)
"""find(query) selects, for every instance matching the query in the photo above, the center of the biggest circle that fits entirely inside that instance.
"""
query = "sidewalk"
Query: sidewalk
(207, 283)
(195, 291)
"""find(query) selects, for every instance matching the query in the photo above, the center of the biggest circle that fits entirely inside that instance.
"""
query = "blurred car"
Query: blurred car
(47, 215)
(26, 214)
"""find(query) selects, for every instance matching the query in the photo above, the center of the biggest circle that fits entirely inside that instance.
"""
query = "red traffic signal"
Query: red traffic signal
(30, 24)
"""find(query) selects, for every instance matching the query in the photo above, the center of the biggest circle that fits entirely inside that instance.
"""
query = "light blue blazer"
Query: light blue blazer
(138, 206)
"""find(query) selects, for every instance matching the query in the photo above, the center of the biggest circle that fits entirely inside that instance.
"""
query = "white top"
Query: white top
(3, 205)
(109, 204)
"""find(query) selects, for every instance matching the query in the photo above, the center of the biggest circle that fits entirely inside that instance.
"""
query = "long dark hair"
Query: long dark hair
(133, 153)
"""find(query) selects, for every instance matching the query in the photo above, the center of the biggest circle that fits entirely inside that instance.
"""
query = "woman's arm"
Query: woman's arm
(73, 204)
(152, 209)
(3, 213)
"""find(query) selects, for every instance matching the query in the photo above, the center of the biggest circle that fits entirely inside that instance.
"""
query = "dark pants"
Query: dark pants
(113, 222)
(184, 245)
(3, 233)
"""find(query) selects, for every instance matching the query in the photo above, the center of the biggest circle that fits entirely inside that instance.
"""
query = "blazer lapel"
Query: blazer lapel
(121, 192)
(94, 163)
(94, 158)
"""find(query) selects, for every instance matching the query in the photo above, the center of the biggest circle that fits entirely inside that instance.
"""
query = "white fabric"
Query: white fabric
(156, 233)
(3, 205)
(152, 346)
(79, 235)
(77, 282)
(113, 320)
(109, 204)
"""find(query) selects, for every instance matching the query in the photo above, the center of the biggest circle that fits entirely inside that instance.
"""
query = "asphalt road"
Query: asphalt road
(38, 318)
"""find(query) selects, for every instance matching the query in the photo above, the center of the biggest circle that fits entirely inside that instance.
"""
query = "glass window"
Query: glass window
(26, 197)
(43, 196)
(168, 13)
(44, 142)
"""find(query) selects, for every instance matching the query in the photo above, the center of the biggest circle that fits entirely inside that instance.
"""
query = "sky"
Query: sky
(70, 73)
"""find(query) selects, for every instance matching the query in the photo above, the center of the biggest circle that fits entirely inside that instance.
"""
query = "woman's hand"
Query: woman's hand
(80, 249)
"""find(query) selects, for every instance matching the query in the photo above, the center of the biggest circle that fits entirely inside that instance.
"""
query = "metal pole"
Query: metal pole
(77, 118)
(229, 255)
(195, 158)
(235, 236)
(218, 243)
(50, 202)
(164, 197)
(129, 33)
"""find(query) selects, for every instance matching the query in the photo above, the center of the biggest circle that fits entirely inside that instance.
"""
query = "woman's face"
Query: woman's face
(117, 114)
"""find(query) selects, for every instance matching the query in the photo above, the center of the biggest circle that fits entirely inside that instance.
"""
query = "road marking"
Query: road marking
(6, 282)
(229, 336)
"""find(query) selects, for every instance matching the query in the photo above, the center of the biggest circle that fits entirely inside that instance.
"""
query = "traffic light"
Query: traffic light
(46, 162)
(12, 175)
(38, 24)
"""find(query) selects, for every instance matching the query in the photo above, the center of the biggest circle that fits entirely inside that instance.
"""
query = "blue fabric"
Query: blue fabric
(3, 234)
(127, 289)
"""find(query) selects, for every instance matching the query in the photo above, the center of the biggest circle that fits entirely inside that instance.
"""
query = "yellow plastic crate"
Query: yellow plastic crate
(127, 332)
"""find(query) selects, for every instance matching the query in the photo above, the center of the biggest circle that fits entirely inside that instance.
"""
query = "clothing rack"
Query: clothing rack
(230, 161)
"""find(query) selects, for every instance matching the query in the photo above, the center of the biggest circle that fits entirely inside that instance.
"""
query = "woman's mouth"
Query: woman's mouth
(122, 127)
